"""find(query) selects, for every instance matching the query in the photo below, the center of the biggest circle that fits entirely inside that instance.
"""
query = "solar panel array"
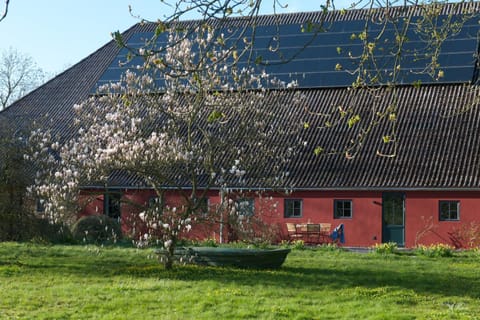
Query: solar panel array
(331, 57)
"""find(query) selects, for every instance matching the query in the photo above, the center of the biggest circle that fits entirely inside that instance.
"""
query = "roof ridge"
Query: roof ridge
(350, 14)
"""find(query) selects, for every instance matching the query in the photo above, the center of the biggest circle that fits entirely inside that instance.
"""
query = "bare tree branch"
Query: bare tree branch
(5, 11)
(19, 74)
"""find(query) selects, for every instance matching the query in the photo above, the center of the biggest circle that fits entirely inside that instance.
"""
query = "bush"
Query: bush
(23, 226)
(436, 250)
(97, 229)
(466, 236)
(15, 224)
(47, 232)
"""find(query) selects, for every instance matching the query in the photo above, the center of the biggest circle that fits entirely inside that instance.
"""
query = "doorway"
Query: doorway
(393, 216)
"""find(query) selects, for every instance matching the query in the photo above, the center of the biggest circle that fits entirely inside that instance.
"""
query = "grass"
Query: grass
(88, 282)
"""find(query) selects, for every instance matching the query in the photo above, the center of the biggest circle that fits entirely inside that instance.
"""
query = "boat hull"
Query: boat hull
(234, 257)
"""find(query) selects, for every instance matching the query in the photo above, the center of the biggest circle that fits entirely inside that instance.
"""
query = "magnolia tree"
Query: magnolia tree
(190, 116)
(190, 119)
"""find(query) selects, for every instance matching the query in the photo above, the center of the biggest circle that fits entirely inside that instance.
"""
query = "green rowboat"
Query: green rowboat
(233, 257)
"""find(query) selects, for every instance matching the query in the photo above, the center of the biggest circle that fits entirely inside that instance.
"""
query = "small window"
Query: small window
(245, 207)
(342, 209)
(40, 206)
(449, 210)
(293, 208)
(111, 205)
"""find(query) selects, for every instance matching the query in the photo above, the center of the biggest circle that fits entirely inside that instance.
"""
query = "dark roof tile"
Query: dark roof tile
(437, 145)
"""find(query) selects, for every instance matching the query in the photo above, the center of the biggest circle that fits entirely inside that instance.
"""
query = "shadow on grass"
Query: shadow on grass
(365, 273)
(291, 278)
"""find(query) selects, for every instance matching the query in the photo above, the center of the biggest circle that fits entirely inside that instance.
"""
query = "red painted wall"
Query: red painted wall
(422, 215)
(364, 228)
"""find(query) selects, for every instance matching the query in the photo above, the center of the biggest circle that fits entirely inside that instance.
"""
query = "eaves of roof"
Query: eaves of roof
(438, 147)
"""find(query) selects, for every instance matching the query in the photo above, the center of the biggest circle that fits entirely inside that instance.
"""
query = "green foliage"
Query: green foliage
(295, 244)
(387, 139)
(284, 244)
(117, 36)
(436, 250)
(161, 28)
(332, 247)
(97, 229)
(248, 245)
(317, 151)
(353, 120)
(214, 116)
(208, 243)
(298, 244)
(47, 232)
(417, 84)
(308, 27)
(385, 248)
(17, 222)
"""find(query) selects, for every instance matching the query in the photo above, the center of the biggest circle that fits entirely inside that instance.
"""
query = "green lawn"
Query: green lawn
(88, 282)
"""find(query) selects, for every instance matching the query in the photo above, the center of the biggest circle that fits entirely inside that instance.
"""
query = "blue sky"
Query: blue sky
(59, 33)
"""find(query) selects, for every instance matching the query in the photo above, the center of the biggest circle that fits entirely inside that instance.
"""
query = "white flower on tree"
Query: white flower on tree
(205, 115)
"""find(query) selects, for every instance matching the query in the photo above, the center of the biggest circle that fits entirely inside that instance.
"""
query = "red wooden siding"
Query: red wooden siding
(364, 228)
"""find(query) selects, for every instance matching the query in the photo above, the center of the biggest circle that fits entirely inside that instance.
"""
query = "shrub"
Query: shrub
(466, 236)
(385, 248)
(23, 226)
(15, 223)
(47, 232)
(436, 250)
(97, 229)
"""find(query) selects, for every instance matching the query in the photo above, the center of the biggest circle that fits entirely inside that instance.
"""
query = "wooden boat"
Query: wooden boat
(233, 257)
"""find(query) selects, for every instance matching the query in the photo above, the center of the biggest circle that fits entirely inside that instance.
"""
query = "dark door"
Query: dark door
(393, 207)
(112, 204)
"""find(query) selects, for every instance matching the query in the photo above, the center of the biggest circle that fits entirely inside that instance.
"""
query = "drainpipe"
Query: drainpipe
(221, 214)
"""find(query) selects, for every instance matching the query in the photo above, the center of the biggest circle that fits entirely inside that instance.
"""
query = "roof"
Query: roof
(322, 50)
(437, 142)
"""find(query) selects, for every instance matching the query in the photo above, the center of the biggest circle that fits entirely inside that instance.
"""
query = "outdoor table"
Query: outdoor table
(310, 232)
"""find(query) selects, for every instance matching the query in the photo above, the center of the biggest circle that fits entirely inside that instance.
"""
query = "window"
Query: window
(293, 208)
(40, 206)
(449, 210)
(245, 207)
(342, 209)
(111, 204)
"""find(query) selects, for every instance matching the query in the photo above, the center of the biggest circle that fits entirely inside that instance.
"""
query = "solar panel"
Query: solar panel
(332, 56)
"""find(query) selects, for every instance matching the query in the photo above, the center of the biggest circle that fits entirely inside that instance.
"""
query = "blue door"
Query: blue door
(393, 212)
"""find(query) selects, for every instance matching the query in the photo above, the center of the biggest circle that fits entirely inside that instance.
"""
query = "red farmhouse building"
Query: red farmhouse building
(427, 192)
